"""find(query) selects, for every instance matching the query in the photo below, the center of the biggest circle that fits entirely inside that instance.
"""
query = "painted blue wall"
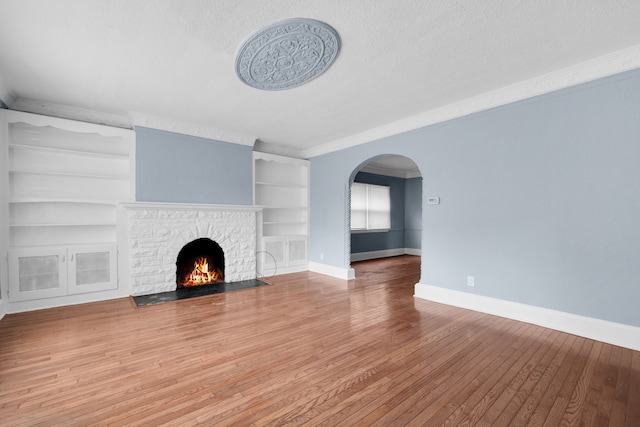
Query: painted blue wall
(539, 199)
(177, 168)
(413, 213)
(394, 238)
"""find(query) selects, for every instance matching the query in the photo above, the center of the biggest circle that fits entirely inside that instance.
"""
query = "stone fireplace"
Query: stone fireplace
(159, 232)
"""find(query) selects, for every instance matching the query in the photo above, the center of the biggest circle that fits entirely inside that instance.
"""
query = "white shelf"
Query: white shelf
(51, 150)
(20, 200)
(62, 235)
(75, 224)
(285, 207)
(284, 222)
(282, 185)
(286, 236)
(69, 174)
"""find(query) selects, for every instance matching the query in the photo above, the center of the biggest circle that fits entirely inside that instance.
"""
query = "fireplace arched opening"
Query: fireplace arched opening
(200, 262)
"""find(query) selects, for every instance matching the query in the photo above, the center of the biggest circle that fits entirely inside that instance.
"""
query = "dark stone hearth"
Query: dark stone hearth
(196, 291)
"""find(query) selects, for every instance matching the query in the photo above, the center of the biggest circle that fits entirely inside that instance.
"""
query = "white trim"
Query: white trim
(7, 96)
(601, 330)
(385, 253)
(333, 271)
(69, 112)
(285, 270)
(125, 120)
(607, 65)
(36, 119)
(3, 310)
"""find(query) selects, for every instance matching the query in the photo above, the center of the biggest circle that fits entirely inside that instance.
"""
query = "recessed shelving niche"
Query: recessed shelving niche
(282, 190)
(64, 180)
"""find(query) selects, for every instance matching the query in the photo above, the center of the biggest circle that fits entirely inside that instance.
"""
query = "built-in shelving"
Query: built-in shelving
(282, 190)
(63, 182)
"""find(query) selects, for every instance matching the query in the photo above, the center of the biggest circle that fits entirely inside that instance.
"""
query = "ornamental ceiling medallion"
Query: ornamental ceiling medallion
(287, 54)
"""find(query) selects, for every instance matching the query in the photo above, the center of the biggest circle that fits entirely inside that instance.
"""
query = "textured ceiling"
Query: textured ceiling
(170, 63)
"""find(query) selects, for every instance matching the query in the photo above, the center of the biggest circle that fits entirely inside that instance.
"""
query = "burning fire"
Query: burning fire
(201, 274)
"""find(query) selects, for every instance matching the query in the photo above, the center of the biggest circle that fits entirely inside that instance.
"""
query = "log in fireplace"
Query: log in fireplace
(200, 262)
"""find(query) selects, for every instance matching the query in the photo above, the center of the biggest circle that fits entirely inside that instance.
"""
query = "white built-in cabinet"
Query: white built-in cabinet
(281, 188)
(63, 182)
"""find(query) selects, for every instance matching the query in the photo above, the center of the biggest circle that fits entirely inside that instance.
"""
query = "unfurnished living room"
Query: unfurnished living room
(319, 213)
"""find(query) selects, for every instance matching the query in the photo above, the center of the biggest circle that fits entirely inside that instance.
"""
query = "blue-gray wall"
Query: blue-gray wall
(413, 213)
(540, 200)
(403, 198)
(177, 168)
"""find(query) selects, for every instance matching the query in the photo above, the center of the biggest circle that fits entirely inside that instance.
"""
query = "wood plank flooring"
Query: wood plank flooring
(307, 350)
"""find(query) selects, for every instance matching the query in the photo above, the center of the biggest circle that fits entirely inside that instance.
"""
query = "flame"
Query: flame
(201, 274)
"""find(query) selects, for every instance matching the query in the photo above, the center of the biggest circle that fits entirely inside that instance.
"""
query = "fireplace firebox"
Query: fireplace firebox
(200, 262)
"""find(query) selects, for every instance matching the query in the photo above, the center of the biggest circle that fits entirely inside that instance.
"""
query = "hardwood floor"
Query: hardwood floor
(307, 350)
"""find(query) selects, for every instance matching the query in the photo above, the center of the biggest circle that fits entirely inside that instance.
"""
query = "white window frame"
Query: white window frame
(367, 204)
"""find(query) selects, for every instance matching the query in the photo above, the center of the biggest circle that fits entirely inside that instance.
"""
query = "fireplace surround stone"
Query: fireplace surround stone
(156, 232)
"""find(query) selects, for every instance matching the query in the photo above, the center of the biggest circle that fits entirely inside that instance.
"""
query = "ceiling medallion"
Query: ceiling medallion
(287, 54)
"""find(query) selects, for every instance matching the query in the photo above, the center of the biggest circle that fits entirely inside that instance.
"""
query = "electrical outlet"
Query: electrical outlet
(471, 281)
(321, 255)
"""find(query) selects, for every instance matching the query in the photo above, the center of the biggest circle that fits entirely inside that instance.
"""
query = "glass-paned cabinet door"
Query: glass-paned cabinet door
(36, 273)
(92, 268)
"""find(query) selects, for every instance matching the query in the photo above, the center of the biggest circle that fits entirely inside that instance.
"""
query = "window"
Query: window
(370, 207)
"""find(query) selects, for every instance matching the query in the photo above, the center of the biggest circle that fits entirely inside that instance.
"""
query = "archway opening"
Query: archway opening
(384, 209)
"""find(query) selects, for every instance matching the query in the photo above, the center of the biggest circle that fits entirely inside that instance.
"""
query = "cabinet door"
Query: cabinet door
(92, 268)
(36, 273)
(272, 256)
(297, 251)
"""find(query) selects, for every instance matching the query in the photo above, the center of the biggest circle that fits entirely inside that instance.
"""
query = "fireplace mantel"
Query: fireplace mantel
(156, 232)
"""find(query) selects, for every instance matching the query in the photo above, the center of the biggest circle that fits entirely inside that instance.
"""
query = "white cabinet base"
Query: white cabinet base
(282, 255)
(47, 272)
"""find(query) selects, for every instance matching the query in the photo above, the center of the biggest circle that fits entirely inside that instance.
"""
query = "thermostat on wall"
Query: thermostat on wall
(433, 200)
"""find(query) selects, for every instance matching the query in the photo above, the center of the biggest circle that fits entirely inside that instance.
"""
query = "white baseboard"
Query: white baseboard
(3, 310)
(270, 272)
(601, 330)
(333, 271)
(45, 303)
(363, 256)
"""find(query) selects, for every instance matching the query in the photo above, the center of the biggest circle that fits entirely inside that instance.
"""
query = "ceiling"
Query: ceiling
(170, 64)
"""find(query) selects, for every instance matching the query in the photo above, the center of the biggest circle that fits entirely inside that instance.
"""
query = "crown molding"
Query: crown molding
(193, 129)
(129, 120)
(280, 150)
(63, 111)
(7, 96)
(607, 65)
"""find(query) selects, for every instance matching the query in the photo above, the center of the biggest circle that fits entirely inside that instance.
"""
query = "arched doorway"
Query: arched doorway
(399, 179)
